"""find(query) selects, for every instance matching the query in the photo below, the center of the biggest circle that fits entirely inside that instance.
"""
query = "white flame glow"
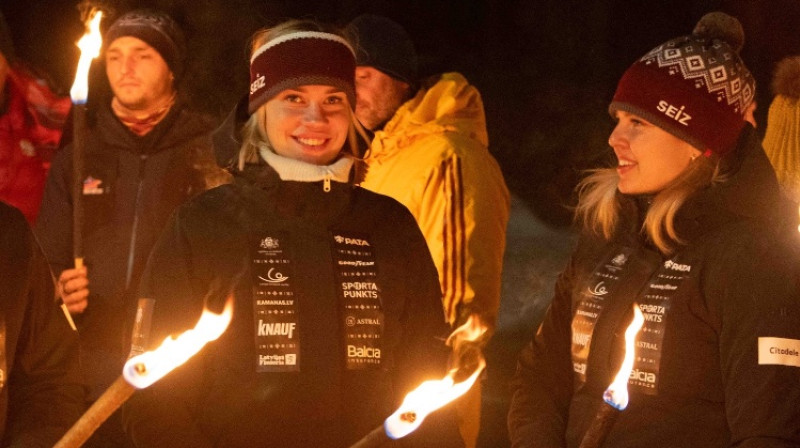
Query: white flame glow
(432, 395)
(90, 45)
(143, 370)
(617, 393)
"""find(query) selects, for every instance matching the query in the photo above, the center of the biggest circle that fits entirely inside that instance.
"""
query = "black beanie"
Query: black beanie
(157, 30)
(384, 45)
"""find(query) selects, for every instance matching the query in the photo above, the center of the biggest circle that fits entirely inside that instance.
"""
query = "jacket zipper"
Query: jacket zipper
(326, 183)
(134, 228)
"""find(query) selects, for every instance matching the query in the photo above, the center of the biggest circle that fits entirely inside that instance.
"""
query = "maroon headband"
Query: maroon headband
(301, 58)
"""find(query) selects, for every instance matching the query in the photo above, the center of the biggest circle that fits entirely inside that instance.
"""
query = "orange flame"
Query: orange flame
(617, 393)
(432, 395)
(90, 45)
(143, 370)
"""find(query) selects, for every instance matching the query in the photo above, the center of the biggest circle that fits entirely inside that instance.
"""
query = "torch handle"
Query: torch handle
(377, 437)
(601, 425)
(110, 401)
(78, 137)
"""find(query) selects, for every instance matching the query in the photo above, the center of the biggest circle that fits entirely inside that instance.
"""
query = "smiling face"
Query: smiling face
(308, 123)
(138, 75)
(649, 158)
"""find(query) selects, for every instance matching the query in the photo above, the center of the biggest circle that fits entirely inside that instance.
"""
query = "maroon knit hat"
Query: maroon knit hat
(695, 87)
(301, 58)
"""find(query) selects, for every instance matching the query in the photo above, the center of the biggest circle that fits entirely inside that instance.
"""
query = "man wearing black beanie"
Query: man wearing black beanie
(430, 152)
(145, 153)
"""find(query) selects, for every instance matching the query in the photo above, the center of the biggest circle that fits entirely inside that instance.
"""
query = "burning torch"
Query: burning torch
(145, 369)
(615, 397)
(434, 394)
(90, 45)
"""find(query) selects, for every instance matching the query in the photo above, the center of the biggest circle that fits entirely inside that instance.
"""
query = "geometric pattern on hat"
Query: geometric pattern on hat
(715, 66)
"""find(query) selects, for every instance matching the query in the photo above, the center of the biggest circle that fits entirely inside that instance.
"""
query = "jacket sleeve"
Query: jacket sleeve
(542, 385)
(426, 354)
(161, 415)
(54, 224)
(45, 395)
(463, 214)
(758, 303)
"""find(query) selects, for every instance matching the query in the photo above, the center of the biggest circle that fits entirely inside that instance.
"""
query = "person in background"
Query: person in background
(31, 119)
(336, 303)
(430, 152)
(41, 394)
(145, 153)
(691, 228)
(782, 137)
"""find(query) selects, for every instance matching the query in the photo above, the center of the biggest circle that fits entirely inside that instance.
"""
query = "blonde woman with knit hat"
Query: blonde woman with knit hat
(689, 227)
(782, 138)
(337, 307)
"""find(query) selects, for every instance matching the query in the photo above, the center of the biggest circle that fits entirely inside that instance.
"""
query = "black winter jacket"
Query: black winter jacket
(326, 245)
(718, 360)
(40, 389)
(132, 184)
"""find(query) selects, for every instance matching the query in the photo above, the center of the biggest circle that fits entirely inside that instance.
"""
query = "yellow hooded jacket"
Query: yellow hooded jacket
(433, 157)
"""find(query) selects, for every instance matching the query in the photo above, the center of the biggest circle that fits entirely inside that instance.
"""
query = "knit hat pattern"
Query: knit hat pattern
(157, 30)
(695, 87)
(301, 58)
(782, 138)
(384, 45)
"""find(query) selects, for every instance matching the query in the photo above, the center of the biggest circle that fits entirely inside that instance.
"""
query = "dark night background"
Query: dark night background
(546, 69)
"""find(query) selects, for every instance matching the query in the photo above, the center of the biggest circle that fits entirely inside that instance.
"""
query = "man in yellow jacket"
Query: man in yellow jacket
(430, 152)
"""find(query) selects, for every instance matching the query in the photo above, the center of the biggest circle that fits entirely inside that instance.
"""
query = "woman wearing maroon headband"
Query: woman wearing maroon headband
(689, 226)
(337, 305)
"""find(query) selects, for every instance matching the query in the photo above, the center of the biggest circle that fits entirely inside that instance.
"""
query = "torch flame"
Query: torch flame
(143, 370)
(617, 393)
(90, 45)
(432, 395)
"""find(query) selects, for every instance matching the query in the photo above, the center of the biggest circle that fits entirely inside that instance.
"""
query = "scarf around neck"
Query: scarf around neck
(137, 124)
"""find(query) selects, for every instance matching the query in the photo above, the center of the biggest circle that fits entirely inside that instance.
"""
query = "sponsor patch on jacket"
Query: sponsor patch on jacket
(779, 351)
(276, 320)
(92, 186)
(359, 291)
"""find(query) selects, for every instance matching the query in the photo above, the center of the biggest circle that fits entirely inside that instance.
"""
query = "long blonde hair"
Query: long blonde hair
(599, 208)
(253, 131)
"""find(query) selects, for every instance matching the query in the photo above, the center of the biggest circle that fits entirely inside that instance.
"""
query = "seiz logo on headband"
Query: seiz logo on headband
(676, 113)
(260, 82)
